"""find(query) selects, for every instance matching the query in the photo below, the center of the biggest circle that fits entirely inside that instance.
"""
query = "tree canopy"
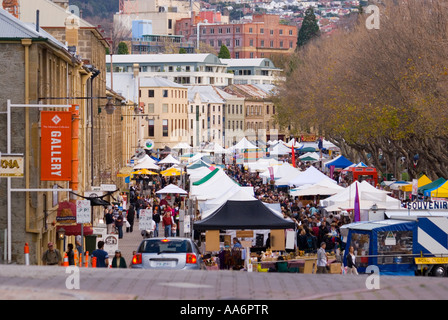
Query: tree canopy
(224, 52)
(381, 95)
(309, 28)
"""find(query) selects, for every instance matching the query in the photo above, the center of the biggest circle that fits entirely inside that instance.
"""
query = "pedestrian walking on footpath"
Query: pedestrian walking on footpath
(130, 218)
(70, 255)
(110, 222)
(351, 261)
(167, 221)
(156, 218)
(322, 259)
(52, 256)
(102, 257)
(118, 261)
(119, 224)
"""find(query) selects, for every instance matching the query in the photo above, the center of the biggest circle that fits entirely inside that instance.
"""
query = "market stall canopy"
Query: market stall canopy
(431, 186)
(262, 165)
(436, 189)
(291, 143)
(280, 149)
(357, 165)
(199, 173)
(212, 186)
(309, 176)
(182, 146)
(339, 162)
(169, 159)
(171, 188)
(237, 215)
(242, 145)
(236, 194)
(171, 172)
(314, 155)
(324, 187)
(125, 172)
(215, 148)
(144, 171)
(283, 173)
(423, 180)
(368, 196)
(146, 163)
(440, 192)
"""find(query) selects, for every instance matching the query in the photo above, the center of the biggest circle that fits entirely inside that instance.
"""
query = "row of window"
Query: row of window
(179, 125)
(231, 109)
(238, 30)
(181, 94)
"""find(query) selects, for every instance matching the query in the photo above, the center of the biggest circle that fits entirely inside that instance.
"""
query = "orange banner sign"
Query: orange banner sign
(56, 146)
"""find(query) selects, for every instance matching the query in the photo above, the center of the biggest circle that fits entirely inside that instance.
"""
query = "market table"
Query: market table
(300, 263)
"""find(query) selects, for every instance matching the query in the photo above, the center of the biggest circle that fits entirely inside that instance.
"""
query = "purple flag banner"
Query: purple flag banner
(357, 211)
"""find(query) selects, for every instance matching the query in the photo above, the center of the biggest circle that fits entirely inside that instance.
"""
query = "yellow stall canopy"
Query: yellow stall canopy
(144, 171)
(422, 181)
(171, 172)
(440, 192)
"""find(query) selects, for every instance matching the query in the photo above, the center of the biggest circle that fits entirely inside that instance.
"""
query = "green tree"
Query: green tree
(224, 53)
(182, 50)
(309, 28)
(123, 48)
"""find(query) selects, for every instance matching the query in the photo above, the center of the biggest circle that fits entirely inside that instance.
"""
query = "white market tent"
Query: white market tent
(215, 148)
(169, 159)
(182, 145)
(368, 196)
(291, 142)
(212, 186)
(198, 173)
(173, 189)
(282, 174)
(237, 194)
(243, 144)
(280, 149)
(309, 176)
(146, 163)
(262, 165)
(324, 187)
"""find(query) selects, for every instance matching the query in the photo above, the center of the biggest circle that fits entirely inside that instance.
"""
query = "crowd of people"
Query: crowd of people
(314, 225)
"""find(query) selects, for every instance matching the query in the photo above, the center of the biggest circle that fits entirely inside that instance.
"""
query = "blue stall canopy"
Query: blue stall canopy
(387, 244)
(339, 162)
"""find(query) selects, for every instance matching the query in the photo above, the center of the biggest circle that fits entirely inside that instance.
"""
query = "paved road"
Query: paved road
(46, 282)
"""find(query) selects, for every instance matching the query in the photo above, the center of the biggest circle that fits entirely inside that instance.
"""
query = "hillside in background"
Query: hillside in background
(96, 11)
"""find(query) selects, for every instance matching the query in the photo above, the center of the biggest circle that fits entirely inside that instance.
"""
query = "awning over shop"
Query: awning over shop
(75, 230)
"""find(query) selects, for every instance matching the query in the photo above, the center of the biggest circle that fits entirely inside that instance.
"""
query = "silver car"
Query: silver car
(167, 253)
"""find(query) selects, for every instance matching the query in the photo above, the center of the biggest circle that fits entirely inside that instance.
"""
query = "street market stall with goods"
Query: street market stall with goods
(402, 246)
(244, 217)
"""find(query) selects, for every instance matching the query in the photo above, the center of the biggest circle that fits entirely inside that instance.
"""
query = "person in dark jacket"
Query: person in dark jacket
(130, 218)
(351, 261)
(118, 261)
(119, 224)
